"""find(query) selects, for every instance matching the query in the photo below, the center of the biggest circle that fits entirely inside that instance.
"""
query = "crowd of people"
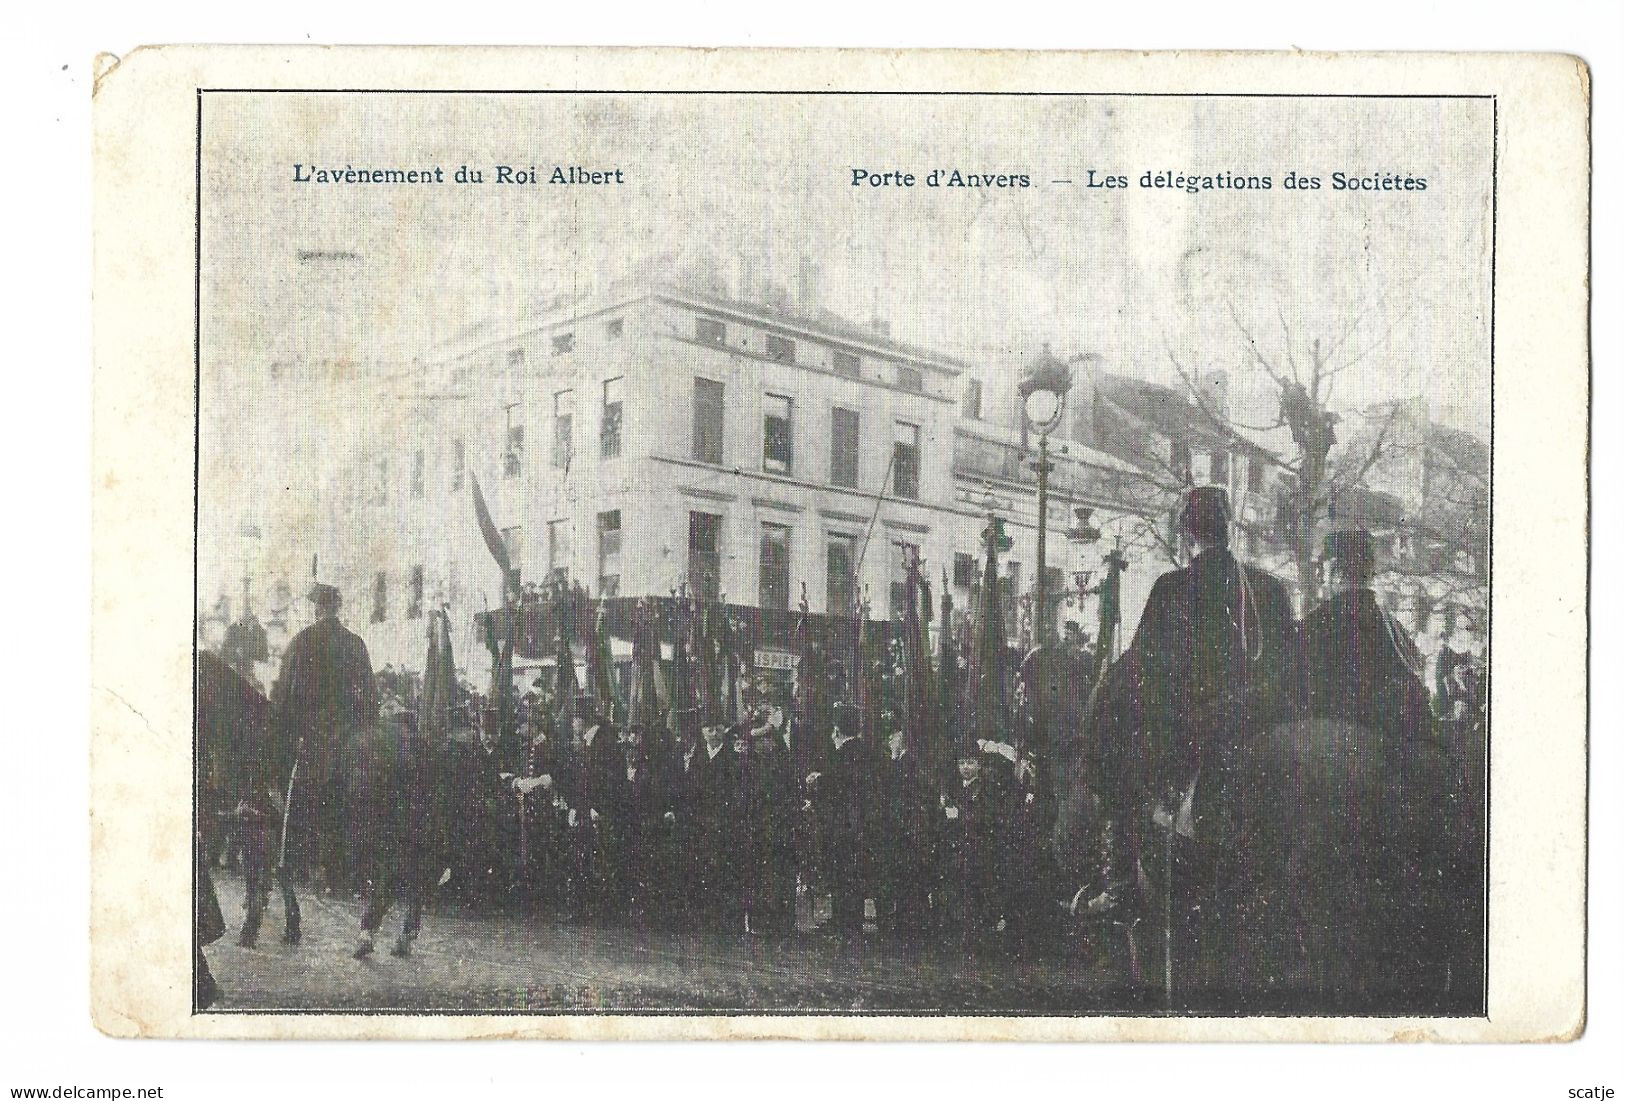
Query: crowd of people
(743, 828)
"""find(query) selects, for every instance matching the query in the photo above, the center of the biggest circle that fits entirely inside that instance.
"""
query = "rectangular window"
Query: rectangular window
(910, 378)
(459, 462)
(609, 554)
(1179, 459)
(840, 581)
(774, 568)
(965, 571)
(973, 399)
(564, 408)
(513, 542)
(614, 327)
(516, 356)
(901, 553)
(843, 447)
(846, 363)
(609, 426)
(906, 461)
(781, 348)
(380, 597)
(1255, 474)
(417, 472)
(513, 453)
(564, 343)
(558, 550)
(708, 420)
(777, 435)
(705, 554)
(710, 330)
(1218, 471)
(414, 594)
(380, 482)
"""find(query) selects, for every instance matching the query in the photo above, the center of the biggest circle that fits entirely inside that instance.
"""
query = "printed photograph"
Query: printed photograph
(842, 554)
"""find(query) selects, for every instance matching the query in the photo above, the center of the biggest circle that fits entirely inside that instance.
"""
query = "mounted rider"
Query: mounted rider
(1210, 663)
(324, 695)
(1357, 662)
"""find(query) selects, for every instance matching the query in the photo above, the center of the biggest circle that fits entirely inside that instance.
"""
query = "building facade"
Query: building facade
(662, 439)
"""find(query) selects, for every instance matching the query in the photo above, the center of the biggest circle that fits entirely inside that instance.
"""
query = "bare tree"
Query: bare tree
(1305, 383)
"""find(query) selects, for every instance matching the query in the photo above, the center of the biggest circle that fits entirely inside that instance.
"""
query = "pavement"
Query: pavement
(528, 959)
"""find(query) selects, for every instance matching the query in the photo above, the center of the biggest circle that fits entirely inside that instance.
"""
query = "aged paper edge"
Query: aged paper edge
(140, 798)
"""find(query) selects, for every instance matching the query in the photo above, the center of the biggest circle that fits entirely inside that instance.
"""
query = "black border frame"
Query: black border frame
(197, 391)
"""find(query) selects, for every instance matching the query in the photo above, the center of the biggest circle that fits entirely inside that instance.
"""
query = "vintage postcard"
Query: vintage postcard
(691, 544)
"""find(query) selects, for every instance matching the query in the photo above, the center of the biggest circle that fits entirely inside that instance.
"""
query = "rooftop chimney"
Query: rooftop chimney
(1214, 389)
(807, 285)
(877, 318)
(744, 287)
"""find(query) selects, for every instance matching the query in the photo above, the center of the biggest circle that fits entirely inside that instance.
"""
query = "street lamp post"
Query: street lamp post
(1043, 394)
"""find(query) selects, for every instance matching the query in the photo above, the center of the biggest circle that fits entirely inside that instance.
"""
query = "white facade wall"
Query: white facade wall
(656, 482)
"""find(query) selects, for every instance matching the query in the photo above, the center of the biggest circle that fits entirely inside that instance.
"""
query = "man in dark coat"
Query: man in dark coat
(771, 802)
(485, 847)
(1357, 662)
(1210, 662)
(975, 816)
(709, 819)
(1423, 859)
(909, 798)
(324, 696)
(1211, 658)
(647, 851)
(849, 791)
(595, 788)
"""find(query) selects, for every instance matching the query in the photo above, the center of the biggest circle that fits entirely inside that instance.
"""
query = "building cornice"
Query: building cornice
(810, 368)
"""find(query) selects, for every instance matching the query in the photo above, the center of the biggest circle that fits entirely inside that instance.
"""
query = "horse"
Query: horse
(1347, 870)
(1318, 866)
(242, 769)
(233, 719)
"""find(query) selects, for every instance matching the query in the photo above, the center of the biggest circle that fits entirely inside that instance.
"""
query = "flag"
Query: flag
(565, 685)
(648, 702)
(865, 684)
(1109, 643)
(703, 656)
(728, 678)
(502, 687)
(488, 528)
(439, 678)
(601, 670)
(807, 715)
(681, 710)
(984, 707)
(947, 654)
(920, 720)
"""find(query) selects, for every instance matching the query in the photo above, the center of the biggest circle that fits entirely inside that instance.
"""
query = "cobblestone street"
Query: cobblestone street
(534, 962)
